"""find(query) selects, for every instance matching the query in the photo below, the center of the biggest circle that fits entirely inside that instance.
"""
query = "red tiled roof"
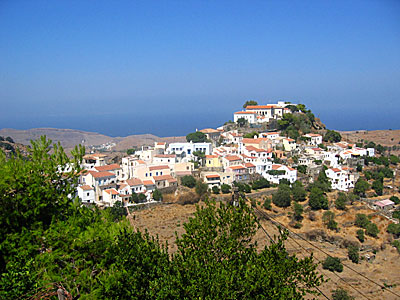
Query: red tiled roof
(111, 192)
(244, 113)
(139, 161)
(86, 187)
(232, 158)
(134, 181)
(153, 168)
(102, 174)
(108, 167)
(276, 167)
(160, 143)
(164, 177)
(249, 165)
(335, 170)
(259, 107)
(211, 156)
(213, 176)
(237, 167)
(148, 182)
(209, 130)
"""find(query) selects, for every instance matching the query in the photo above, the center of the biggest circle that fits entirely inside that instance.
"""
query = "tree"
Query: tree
(329, 220)
(395, 199)
(361, 221)
(317, 199)
(241, 122)
(372, 230)
(298, 192)
(157, 195)
(360, 235)
(251, 135)
(250, 102)
(332, 264)
(215, 189)
(117, 211)
(206, 270)
(267, 203)
(282, 197)
(341, 294)
(9, 139)
(394, 229)
(196, 137)
(260, 184)
(302, 169)
(188, 181)
(332, 136)
(352, 252)
(131, 151)
(201, 188)
(142, 198)
(225, 188)
(377, 185)
(341, 201)
(361, 187)
(134, 198)
(297, 211)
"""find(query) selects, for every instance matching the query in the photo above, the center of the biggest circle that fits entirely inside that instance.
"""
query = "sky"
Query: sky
(169, 67)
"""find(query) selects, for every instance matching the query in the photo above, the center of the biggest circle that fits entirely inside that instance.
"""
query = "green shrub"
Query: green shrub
(188, 181)
(267, 203)
(395, 199)
(332, 264)
(329, 220)
(225, 188)
(282, 197)
(353, 253)
(361, 221)
(372, 230)
(360, 235)
(215, 189)
(341, 294)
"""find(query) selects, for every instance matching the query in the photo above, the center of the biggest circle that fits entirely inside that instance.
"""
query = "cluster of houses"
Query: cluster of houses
(254, 114)
(225, 158)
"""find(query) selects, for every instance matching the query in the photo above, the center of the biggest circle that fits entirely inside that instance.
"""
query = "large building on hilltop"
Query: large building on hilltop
(262, 113)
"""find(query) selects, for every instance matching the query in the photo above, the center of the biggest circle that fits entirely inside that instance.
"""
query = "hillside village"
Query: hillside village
(225, 157)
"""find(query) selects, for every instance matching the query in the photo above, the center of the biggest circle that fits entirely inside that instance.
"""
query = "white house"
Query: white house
(86, 194)
(164, 159)
(187, 149)
(341, 179)
(279, 172)
(249, 116)
(314, 139)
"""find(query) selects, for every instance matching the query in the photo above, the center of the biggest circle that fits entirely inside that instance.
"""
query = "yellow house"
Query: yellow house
(213, 161)
(289, 144)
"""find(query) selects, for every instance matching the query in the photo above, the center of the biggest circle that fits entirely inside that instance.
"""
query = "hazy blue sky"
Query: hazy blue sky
(121, 67)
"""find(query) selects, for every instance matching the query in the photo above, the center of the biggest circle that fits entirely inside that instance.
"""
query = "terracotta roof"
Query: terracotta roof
(211, 156)
(271, 133)
(250, 141)
(259, 107)
(232, 158)
(108, 167)
(160, 143)
(249, 165)
(213, 176)
(86, 187)
(244, 113)
(291, 169)
(236, 167)
(148, 182)
(153, 168)
(122, 186)
(183, 173)
(313, 134)
(209, 130)
(112, 192)
(163, 177)
(134, 181)
(102, 174)
(139, 161)
(335, 170)
(94, 155)
(276, 167)
(289, 140)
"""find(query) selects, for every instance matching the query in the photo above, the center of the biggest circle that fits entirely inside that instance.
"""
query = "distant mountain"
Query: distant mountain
(71, 137)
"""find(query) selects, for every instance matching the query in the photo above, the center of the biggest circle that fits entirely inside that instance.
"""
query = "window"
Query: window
(87, 194)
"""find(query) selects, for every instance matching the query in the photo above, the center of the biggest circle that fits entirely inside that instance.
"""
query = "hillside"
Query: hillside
(71, 137)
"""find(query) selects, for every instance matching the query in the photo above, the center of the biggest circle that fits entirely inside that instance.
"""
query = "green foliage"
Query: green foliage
(352, 252)
(329, 220)
(396, 214)
(396, 244)
(157, 195)
(243, 187)
(250, 102)
(394, 229)
(377, 185)
(302, 169)
(276, 172)
(372, 230)
(317, 199)
(218, 248)
(359, 168)
(340, 202)
(297, 211)
(9, 139)
(361, 187)
(251, 135)
(131, 151)
(395, 199)
(360, 235)
(282, 198)
(241, 122)
(188, 181)
(332, 136)
(196, 137)
(260, 184)
(298, 192)
(117, 211)
(292, 124)
(267, 203)
(332, 264)
(225, 188)
(215, 189)
(341, 294)
(362, 221)
(394, 160)
(201, 188)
